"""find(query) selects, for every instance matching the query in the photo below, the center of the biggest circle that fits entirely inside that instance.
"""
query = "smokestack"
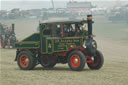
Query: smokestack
(89, 21)
(53, 4)
(13, 28)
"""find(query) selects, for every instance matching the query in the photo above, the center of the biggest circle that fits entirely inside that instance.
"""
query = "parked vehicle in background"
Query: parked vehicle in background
(7, 36)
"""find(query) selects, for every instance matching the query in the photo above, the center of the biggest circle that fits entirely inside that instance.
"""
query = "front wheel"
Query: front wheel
(98, 61)
(76, 60)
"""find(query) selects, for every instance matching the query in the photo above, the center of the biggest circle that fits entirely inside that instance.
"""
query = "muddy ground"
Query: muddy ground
(112, 39)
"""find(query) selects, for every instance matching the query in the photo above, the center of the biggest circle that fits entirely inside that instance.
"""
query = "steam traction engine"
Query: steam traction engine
(60, 42)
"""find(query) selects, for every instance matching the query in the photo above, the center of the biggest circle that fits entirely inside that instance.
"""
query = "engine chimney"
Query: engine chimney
(13, 28)
(89, 21)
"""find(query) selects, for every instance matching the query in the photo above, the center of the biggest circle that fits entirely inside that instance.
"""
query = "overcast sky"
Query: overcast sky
(37, 4)
(64, 0)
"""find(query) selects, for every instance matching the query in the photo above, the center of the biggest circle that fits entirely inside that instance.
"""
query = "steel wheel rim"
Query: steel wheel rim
(24, 61)
(75, 60)
(95, 61)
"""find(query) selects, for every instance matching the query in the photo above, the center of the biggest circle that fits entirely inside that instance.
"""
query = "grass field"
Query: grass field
(112, 40)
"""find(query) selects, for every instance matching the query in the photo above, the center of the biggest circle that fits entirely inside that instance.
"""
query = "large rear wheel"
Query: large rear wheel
(98, 61)
(76, 60)
(26, 61)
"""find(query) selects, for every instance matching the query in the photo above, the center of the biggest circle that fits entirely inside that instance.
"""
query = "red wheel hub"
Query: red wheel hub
(75, 60)
(96, 61)
(93, 61)
(24, 60)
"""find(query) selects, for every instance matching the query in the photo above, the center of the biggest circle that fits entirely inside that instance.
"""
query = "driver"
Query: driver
(84, 27)
(84, 31)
